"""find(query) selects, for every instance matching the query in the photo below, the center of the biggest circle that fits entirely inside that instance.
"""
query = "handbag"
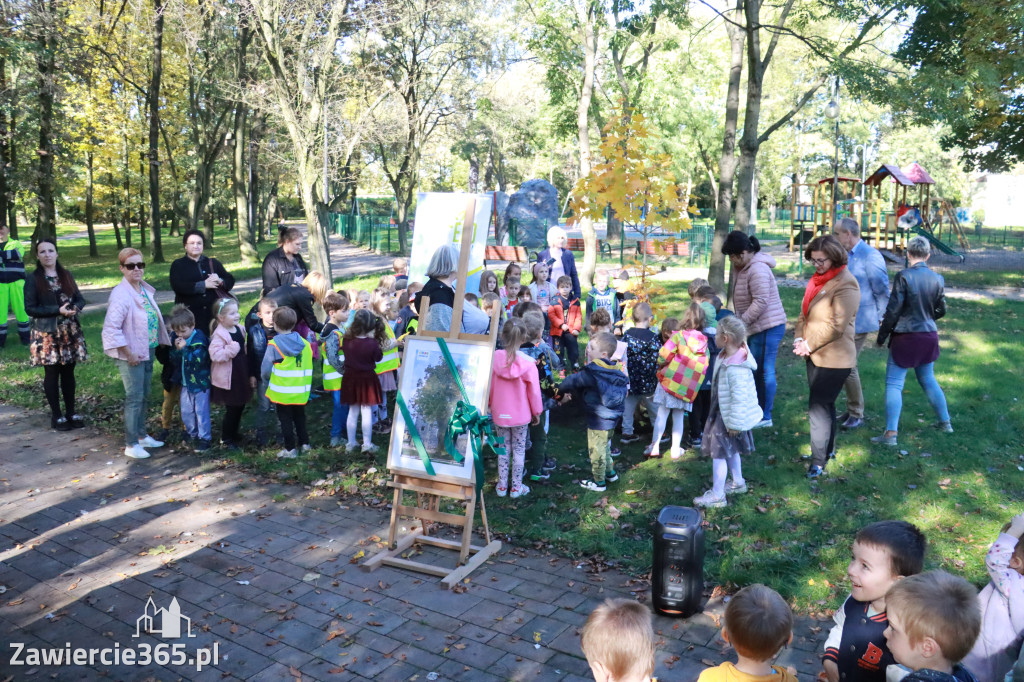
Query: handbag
(220, 290)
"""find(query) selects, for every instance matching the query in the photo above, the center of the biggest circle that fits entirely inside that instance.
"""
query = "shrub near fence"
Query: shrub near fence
(372, 231)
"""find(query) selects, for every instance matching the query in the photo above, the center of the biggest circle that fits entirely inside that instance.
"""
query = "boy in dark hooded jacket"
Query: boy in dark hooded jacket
(602, 385)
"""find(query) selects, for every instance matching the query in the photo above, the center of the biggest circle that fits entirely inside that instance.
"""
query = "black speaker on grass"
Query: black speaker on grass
(677, 571)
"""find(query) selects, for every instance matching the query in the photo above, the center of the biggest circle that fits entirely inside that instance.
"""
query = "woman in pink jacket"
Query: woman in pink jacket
(755, 298)
(132, 329)
(515, 404)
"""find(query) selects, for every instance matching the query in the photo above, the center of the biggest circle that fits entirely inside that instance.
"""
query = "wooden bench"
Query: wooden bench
(577, 244)
(656, 248)
(505, 254)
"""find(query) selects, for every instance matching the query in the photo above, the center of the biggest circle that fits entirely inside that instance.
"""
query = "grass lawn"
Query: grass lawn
(786, 532)
(102, 271)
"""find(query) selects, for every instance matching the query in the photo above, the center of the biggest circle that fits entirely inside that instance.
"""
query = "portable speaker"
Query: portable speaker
(677, 571)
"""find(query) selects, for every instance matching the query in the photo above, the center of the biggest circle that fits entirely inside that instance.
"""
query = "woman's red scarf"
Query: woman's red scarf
(815, 285)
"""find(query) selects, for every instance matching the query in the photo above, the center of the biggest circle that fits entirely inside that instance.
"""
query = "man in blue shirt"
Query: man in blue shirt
(868, 266)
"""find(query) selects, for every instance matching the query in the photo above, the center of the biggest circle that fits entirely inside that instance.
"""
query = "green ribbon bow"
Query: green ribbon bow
(414, 434)
(467, 419)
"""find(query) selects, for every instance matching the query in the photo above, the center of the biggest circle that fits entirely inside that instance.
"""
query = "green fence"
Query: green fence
(372, 231)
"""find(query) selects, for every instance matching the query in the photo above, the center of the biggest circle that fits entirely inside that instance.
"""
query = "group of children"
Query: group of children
(898, 623)
(267, 358)
(672, 372)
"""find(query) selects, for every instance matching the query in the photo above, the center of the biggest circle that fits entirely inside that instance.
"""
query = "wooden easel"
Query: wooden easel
(430, 490)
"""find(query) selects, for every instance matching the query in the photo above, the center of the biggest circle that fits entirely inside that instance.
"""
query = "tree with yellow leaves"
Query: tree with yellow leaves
(637, 184)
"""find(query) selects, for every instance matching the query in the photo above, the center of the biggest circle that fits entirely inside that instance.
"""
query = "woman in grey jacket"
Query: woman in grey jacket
(755, 297)
(917, 300)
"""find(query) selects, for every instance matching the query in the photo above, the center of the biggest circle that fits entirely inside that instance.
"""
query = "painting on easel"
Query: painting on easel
(431, 395)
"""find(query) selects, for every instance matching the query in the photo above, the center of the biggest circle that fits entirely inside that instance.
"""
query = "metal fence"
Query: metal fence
(372, 231)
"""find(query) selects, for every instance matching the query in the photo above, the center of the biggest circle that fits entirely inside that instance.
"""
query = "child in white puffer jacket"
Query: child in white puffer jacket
(733, 413)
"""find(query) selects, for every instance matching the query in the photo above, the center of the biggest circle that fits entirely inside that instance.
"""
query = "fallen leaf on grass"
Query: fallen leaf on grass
(761, 510)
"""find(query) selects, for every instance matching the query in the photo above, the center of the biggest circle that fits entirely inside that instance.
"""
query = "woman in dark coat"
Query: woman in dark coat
(196, 279)
(918, 299)
(560, 259)
(56, 342)
(284, 265)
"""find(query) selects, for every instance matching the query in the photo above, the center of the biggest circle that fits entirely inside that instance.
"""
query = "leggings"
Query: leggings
(699, 415)
(661, 421)
(232, 420)
(66, 375)
(365, 414)
(515, 452)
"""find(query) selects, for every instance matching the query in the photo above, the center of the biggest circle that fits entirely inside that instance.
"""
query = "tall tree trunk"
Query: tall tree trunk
(588, 27)
(126, 207)
(727, 164)
(90, 228)
(474, 172)
(46, 218)
(749, 143)
(4, 144)
(143, 215)
(156, 248)
(319, 253)
(246, 238)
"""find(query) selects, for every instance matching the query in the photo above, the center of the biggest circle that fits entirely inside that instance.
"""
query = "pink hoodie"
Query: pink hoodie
(515, 390)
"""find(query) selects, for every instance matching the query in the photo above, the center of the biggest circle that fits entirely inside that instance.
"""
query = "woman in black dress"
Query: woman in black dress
(197, 279)
(56, 342)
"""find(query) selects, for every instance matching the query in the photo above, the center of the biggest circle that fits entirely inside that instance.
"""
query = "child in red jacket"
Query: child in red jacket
(515, 404)
(566, 323)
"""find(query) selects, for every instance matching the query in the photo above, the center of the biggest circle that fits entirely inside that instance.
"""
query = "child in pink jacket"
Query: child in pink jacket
(515, 404)
(229, 373)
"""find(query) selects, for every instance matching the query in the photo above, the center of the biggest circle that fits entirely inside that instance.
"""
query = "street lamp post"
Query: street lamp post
(832, 113)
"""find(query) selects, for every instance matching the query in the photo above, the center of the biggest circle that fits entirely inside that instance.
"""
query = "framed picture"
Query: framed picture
(431, 394)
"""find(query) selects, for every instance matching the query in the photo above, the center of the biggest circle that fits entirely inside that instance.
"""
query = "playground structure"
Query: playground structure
(886, 223)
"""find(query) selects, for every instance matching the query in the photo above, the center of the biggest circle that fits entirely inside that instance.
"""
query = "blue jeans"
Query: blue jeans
(764, 346)
(195, 413)
(895, 376)
(339, 417)
(136, 393)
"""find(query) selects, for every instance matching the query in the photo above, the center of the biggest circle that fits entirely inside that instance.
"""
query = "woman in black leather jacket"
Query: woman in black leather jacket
(56, 342)
(284, 265)
(916, 302)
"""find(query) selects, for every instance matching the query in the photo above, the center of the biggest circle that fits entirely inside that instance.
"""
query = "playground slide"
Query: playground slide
(938, 244)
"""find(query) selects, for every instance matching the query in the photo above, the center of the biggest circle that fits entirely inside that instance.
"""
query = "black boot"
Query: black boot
(3, 338)
(60, 423)
(23, 335)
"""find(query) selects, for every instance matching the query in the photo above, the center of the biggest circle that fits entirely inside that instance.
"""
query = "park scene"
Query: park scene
(520, 341)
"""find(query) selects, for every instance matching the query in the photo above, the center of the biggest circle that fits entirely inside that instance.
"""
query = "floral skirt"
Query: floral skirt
(62, 347)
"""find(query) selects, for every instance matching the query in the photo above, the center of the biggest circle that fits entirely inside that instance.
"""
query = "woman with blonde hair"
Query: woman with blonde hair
(560, 259)
(284, 265)
(300, 297)
(132, 329)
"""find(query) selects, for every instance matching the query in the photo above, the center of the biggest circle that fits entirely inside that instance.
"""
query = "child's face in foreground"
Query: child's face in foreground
(512, 290)
(542, 273)
(564, 290)
(362, 301)
(491, 284)
(229, 317)
(899, 644)
(594, 354)
(870, 573)
(267, 316)
(600, 282)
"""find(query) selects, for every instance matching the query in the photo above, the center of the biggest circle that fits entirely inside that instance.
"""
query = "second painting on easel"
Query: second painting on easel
(431, 394)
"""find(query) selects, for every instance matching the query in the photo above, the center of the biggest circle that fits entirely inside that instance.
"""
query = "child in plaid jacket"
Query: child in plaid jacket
(684, 361)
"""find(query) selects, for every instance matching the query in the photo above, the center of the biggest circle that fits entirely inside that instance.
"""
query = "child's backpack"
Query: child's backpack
(687, 354)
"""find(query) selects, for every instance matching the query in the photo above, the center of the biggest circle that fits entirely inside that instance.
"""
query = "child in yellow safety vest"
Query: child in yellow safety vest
(12, 286)
(288, 372)
(336, 306)
(387, 368)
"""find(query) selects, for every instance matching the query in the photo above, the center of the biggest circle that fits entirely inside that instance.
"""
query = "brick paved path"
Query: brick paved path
(88, 536)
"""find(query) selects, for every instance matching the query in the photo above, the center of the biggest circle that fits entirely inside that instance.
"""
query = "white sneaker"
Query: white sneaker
(764, 424)
(519, 491)
(731, 488)
(709, 499)
(306, 447)
(150, 442)
(136, 451)
(287, 454)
